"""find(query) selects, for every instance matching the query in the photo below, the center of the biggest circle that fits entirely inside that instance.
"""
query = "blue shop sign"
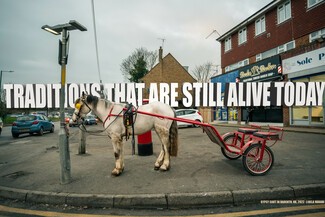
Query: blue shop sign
(225, 78)
(267, 69)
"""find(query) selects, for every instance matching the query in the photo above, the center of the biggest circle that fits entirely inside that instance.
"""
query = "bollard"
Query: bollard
(82, 142)
(145, 141)
(145, 144)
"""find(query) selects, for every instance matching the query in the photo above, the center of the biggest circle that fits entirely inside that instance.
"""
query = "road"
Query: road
(14, 209)
(291, 155)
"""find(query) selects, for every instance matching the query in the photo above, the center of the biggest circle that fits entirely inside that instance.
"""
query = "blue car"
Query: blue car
(31, 124)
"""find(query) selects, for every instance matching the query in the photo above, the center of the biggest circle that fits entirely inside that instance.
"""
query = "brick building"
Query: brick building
(168, 70)
(282, 33)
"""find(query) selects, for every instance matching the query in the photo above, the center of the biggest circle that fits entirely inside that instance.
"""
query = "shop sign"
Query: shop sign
(304, 61)
(262, 70)
(225, 78)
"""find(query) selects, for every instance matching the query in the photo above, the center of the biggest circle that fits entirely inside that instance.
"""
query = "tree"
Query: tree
(138, 64)
(204, 72)
(139, 70)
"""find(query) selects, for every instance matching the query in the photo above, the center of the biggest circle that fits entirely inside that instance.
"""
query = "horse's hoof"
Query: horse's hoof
(157, 166)
(117, 172)
(164, 168)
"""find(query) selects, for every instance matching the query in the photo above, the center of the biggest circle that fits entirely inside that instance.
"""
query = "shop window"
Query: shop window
(284, 12)
(317, 114)
(309, 114)
(300, 113)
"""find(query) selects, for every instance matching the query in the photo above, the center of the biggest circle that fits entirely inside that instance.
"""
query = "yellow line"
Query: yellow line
(316, 214)
(233, 214)
(271, 211)
(44, 213)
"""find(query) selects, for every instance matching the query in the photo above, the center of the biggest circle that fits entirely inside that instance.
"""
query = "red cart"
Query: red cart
(251, 143)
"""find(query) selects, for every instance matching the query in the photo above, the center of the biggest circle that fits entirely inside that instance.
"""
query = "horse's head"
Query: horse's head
(81, 108)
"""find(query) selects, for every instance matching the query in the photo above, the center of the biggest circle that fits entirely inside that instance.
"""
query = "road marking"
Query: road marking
(20, 142)
(233, 214)
(316, 214)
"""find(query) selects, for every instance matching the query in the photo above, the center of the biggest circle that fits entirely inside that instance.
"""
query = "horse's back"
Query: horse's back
(157, 108)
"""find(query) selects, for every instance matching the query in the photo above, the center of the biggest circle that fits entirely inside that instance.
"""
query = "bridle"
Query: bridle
(79, 106)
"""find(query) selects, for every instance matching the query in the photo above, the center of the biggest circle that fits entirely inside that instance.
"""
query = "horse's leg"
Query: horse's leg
(118, 154)
(163, 134)
(160, 158)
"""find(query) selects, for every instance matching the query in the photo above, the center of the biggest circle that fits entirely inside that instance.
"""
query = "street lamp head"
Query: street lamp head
(50, 29)
(57, 29)
(77, 25)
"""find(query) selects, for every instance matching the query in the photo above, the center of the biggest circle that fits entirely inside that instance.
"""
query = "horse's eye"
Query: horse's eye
(78, 105)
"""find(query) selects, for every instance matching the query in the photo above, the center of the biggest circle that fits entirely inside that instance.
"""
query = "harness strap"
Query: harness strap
(108, 116)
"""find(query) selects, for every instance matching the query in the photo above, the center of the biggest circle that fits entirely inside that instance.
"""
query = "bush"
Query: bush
(9, 120)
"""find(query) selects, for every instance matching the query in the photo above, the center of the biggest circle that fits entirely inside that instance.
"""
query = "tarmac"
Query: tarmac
(199, 176)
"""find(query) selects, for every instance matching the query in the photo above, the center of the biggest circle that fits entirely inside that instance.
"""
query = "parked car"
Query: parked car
(1, 125)
(31, 124)
(90, 120)
(191, 114)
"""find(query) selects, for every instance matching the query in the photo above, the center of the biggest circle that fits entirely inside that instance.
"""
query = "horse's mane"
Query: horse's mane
(90, 99)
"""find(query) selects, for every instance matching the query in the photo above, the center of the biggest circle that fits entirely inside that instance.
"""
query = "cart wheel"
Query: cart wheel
(229, 139)
(251, 161)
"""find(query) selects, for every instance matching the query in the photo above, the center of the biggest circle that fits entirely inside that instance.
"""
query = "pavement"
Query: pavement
(199, 176)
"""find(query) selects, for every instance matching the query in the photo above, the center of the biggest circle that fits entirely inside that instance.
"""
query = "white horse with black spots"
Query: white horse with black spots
(110, 114)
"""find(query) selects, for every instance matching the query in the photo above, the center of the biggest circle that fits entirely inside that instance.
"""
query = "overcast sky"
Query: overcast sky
(122, 26)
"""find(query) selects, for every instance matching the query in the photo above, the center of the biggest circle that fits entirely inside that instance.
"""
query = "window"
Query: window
(312, 3)
(260, 25)
(284, 12)
(228, 44)
(237, 65)
(304, 115)
(316, 35)
(280, 49)
(290, 45)
(243, 63)
(242, 36)
(231, 67)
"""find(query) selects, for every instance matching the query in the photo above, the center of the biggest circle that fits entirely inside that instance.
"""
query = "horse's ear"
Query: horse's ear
(84, 95)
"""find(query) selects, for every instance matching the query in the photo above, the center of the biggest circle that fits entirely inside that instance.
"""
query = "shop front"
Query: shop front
(225, 113)
(263, 71)
(307, 67)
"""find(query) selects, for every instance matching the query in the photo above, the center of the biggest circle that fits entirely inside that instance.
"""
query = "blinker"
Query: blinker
(78, 105)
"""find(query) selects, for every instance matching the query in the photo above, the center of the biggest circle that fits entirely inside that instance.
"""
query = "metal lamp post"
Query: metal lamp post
(63, 57)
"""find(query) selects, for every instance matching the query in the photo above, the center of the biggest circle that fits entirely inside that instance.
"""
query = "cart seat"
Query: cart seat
(247, 130)
(267, 135)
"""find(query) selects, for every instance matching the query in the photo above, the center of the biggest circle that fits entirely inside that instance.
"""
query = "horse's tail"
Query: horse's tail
(173, 138)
